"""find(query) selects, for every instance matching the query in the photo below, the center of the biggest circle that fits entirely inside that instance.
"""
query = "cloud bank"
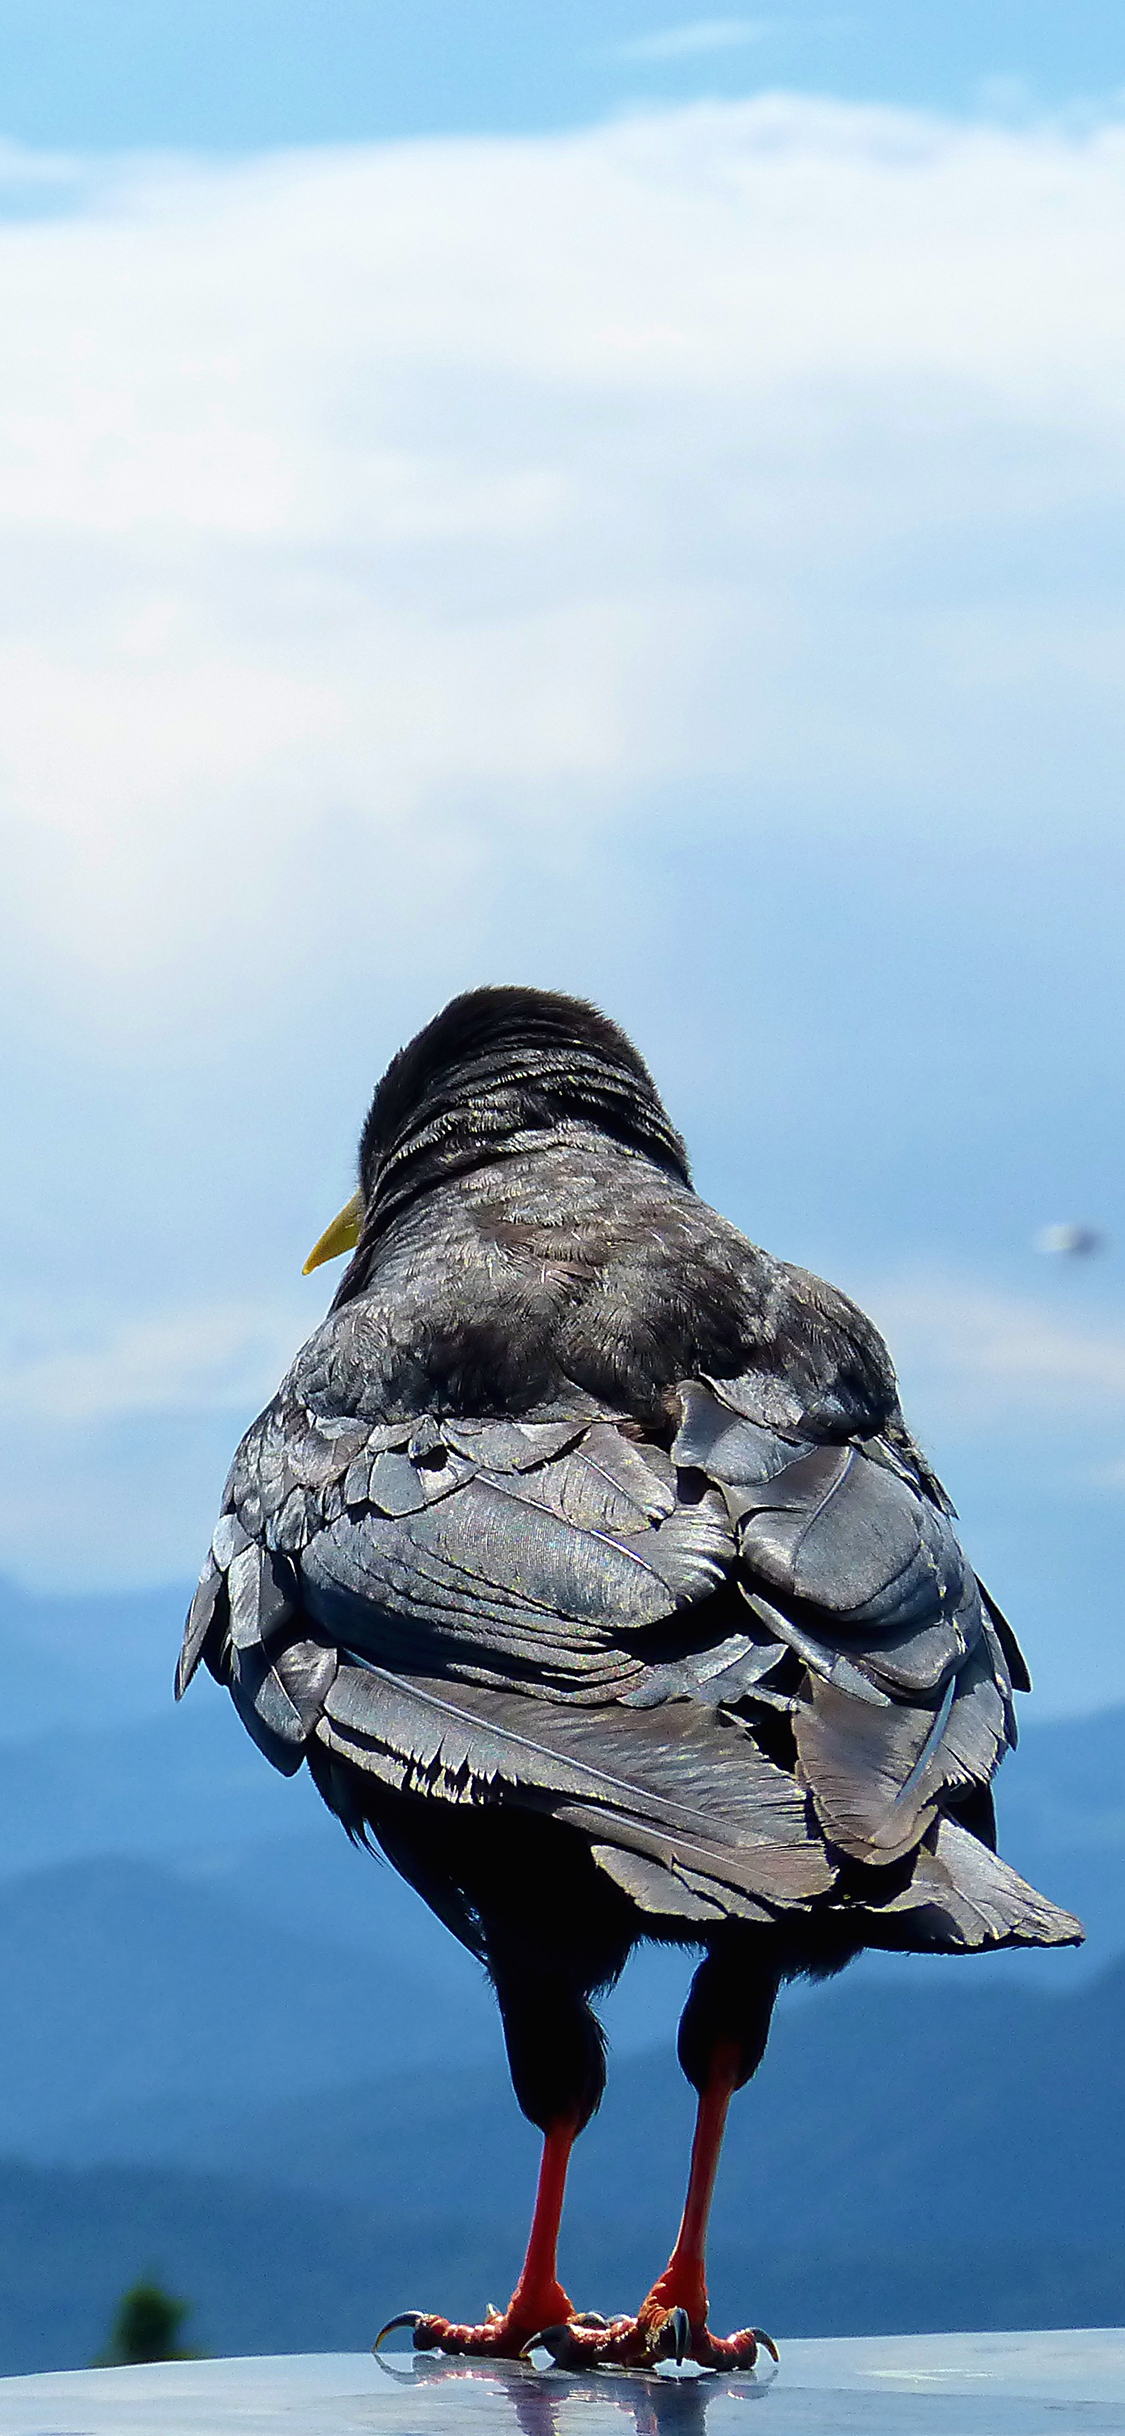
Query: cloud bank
(421, 489)
(420, 556)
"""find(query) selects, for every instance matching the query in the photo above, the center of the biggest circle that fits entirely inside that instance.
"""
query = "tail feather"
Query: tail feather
(963, 1897)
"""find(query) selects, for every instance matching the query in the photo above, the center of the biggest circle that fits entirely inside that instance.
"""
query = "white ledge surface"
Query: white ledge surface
(1068, 2384)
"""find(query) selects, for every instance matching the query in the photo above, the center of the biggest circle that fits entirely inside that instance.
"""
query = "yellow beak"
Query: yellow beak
(341, 1236)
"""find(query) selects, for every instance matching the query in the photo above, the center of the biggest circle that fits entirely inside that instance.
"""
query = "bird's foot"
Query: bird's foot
(504, 2334)
(730, 2351)
(655, 2334)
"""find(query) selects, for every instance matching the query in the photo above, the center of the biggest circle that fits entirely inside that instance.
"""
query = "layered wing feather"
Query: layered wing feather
(849, 1558)
(567, 1613)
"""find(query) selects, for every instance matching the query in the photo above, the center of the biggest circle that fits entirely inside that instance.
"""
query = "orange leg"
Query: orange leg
(539, 2299)
(683, 2284)
(673, 2319)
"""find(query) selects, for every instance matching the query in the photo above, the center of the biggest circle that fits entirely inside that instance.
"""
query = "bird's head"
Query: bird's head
(492, 1074)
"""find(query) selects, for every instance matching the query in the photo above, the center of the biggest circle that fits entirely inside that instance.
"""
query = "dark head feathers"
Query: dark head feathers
(496, 1068)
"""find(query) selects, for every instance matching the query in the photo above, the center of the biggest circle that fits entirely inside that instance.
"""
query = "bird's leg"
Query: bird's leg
(683, 2284)
(539, 2299)
(672, 2321)
(722, 2040)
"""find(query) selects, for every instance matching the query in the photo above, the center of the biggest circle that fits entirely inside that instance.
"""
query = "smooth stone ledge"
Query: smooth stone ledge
(890, 2385)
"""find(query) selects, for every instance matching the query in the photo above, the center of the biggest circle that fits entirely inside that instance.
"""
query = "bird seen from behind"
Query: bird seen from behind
(586, 1560)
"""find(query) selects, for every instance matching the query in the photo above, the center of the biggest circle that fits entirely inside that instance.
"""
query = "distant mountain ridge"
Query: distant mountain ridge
(189, 1781)
(96, 1759)
(84, 1662)
(125, 1988)
(880, 2114)
(272, 2271)
(239, 2053)
(901, 2164)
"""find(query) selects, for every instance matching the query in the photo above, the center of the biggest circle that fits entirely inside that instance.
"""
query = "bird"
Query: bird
(585, 1559)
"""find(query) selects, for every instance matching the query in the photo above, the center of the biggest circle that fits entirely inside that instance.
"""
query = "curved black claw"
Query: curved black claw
(676, 2336)
(557, 2340)
(724, 2352)
(410, 2317)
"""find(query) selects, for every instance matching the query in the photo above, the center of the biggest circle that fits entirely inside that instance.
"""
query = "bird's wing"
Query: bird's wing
(454, 1606)
(677, 1794)
(508, 1552)
(849, 1560)
(558, 1612)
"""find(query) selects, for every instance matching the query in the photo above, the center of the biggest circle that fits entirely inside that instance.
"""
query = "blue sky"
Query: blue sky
(612, 498)
(105, 73)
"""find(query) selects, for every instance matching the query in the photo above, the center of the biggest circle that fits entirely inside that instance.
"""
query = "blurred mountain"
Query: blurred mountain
(246, 1925)
(880, 2114)
(187, 1786)
(253, 1920)
(237, 2053)
(124, 1989)
(264, 2270)
(905, 2162)
(271, 2270)
(179, 1779)
(85, 1662)
(1060, 1801)
(97, 1759)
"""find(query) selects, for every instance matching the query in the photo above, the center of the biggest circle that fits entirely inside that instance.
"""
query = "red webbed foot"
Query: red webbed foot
(655, 2334)
(503, 2335)
(671, 2323)
(730, 2351)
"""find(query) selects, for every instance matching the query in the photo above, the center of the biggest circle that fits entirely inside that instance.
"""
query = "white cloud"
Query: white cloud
(366, 513)
(116, 1432)
(702, 38)
(975, 1355)
(972, 1352)
(406, 487)
(90, 1369)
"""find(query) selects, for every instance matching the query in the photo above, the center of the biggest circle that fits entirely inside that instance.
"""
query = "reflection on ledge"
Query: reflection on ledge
(1043, 2383)
(541, 2404)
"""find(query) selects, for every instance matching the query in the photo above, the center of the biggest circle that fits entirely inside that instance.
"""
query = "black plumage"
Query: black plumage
(585, 1557)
